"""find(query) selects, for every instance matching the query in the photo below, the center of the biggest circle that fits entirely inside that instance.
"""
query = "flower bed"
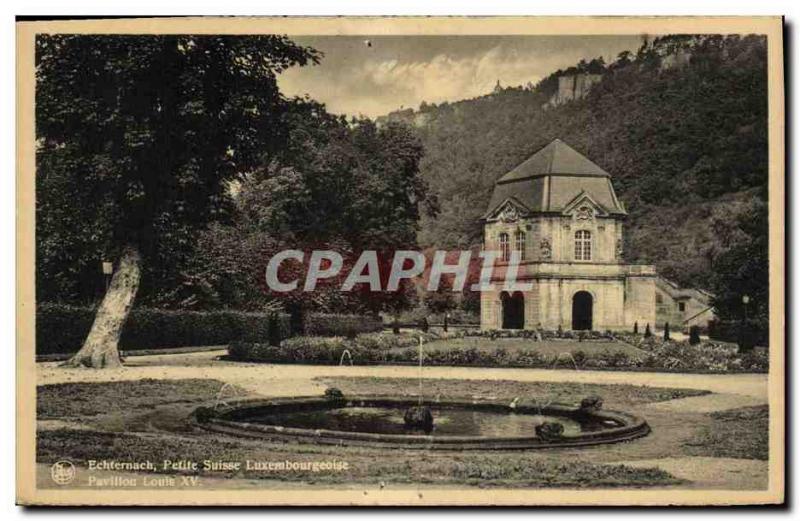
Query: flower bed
(387, 348)
(545, 334)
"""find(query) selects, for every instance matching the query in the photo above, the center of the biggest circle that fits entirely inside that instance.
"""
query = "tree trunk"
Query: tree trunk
(101, 348)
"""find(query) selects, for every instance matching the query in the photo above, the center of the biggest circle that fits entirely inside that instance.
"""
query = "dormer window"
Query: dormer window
(583, 245)
(505, 248)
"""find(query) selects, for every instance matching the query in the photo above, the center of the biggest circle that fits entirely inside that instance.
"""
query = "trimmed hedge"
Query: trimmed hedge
(756, 332)
(322, 324)
(62, 329)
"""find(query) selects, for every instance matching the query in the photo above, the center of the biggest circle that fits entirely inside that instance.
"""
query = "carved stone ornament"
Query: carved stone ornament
(546, 251)
(509, 214)
(619, 248)
(584, 213)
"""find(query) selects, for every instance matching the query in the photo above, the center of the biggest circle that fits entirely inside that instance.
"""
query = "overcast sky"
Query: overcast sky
(402, 71)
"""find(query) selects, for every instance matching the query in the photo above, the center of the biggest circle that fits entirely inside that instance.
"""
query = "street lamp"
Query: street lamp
(745, 301)
(108, 269)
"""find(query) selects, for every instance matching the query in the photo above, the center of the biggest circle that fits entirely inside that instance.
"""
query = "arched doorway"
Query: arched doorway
(582, 310)
(513, 310)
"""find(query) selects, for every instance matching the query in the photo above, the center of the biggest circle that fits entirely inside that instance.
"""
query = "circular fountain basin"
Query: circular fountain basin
(458, 425)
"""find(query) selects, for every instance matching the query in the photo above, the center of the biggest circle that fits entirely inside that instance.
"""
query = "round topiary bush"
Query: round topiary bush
(694, 335)
(419, 417)
(549, 430)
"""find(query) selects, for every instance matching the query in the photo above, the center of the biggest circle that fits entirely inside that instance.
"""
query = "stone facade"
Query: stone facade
(558, 211)
(682, 307)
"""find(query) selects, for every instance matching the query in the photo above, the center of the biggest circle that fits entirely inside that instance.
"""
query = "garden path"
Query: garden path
(284, 379)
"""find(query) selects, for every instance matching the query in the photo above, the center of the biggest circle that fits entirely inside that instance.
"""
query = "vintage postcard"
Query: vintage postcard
(400, 261)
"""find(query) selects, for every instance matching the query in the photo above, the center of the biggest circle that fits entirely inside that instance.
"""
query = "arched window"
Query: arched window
(583, 245)
(505, 248)
(519, 239)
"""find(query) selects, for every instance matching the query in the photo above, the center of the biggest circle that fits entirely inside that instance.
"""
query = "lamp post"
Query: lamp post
(108, 269)
(745, 340)
(745, 301)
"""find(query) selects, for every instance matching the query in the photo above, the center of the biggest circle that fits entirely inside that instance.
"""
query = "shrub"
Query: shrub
(62, 328)
(694, 335)
(614, 358)
(334, 394)
(419, 417)
(730, 331)
(273, 334)
(549, 430)
(204, 414)
(647, 332)
(423, 325)
(579, 357)
(324, 324)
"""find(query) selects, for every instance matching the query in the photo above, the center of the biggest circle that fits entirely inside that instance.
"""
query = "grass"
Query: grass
(547, 347)
(364, 465)
(616, 395)
(73, 400)
(738, 433)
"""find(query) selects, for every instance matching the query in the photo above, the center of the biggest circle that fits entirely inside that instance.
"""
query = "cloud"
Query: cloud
(374, 84)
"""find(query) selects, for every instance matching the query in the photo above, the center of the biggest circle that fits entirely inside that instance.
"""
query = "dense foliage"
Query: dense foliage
(685, 143)
(183, 147)
(137, 139)
(345, 186)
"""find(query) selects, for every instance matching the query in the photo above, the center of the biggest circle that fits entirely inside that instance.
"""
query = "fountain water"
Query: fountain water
(349, 357)
(420, 370)
(236, 394)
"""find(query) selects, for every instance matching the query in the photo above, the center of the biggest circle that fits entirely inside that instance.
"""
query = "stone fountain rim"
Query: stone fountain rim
(631, 427)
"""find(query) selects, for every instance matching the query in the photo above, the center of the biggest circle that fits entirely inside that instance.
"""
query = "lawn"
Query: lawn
(76, 400)
(619, 396)
(148, 420)
(738, 433)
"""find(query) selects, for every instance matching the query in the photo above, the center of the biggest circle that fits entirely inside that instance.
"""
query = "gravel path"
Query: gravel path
(285, 380)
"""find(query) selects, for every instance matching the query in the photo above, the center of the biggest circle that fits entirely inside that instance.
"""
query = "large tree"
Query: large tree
(744, 270)
(341, 185)
(138, 138)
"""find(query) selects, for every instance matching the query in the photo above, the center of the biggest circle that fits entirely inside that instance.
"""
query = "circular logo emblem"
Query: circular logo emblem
(62, 472)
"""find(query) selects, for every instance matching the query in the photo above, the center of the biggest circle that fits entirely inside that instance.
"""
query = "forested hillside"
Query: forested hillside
(684, 140)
